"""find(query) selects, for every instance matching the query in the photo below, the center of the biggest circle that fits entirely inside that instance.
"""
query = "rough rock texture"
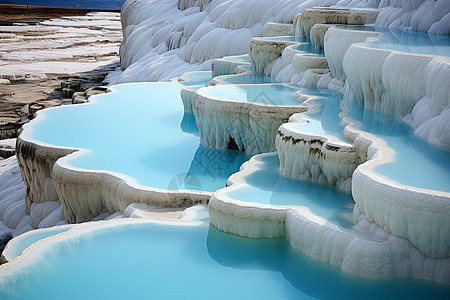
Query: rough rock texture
(321, 15)
(316, 157)
(423, 94)
(226, 65)
(36, 165)
(336, 43)
(431, 16)
(85, 194)
(244, 126)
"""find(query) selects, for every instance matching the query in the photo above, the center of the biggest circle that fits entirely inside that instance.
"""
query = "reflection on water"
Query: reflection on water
(248, 78)
(267, 186)
(417, 163)
(143, 135)
(311, 278)
(270, 94)
(201, 262)
(213, 167)
(308, 48)
(407, 40)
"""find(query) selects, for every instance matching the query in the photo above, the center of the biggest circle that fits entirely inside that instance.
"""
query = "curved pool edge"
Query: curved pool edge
(14, 246)
(44, 244)
(334, 160)
(85, 194)
(360, 251)
(263, 51)
(227, 65)
(49, 177)
(252, 126)
(424, 212)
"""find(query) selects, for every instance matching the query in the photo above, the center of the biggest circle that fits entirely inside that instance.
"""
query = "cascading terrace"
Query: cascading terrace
(342, 185)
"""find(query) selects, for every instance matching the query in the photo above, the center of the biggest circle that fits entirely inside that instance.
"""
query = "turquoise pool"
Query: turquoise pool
(270, 94)
(143, 138)
(267, 186)
(247, 78)
(189, 261)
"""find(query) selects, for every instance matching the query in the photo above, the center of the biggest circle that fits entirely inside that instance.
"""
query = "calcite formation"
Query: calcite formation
(316, 157)
(262, 52)
(367, 250)
(246, 126)
(322, 15)
(36, 165)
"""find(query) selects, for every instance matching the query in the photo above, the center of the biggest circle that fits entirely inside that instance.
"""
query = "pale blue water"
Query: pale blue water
(142, 135)
(154, 261)
(268, 186)
(197, 78)
(247, 68)
(271, 94)
(309, 49)
(417, 163)
(247, 78)
(20, 243)
(189, 125)
(227, 65)
(408, 41)
(93, 4)
(237, 58)
(325, 119)
(186, 97)
(297, 39)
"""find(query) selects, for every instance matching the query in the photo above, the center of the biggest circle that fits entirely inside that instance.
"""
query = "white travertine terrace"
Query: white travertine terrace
(423, 214)
(86, 194)
(336, 44)
(408, 227)
(263, 52)
(293, 65)
(416, 219)
(368, 251)
(416, 214)
(422, 96)
(322, 15)
(186, 96)
(227, 65)
(317, 34)
(36, 165)
(316, 157)
(222, 27)
(290, 66)
(278, 29)
(252, 126)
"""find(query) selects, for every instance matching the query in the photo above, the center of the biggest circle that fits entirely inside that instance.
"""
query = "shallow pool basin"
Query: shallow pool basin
(183, 260)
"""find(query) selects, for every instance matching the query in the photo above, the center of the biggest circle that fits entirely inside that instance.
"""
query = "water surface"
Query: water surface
(138, 131)
(267, 186)
(187, 262)
(270, 94)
